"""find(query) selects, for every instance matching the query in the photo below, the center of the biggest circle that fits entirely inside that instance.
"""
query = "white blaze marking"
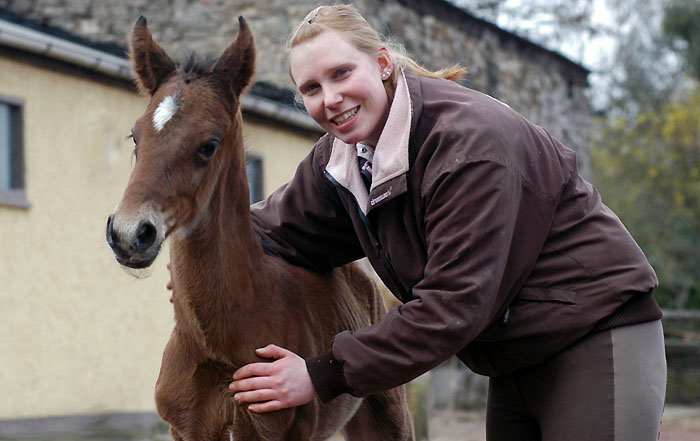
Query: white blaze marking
(165, 111)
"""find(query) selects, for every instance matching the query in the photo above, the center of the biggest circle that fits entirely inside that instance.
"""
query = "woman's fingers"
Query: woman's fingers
(272, 386)
(253, 370)
(267, 406)
(169, 286)
(256, 396)
(273, 351)
(253, 383)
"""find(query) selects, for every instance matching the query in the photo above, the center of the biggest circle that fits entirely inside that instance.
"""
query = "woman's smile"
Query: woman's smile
(345, 117)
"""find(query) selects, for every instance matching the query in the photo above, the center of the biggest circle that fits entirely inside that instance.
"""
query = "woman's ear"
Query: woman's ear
(386, 65)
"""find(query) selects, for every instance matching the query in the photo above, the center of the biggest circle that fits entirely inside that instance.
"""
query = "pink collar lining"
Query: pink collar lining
(390, 154)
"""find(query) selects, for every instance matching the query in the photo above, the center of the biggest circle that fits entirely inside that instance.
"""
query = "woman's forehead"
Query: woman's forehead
(326, 50)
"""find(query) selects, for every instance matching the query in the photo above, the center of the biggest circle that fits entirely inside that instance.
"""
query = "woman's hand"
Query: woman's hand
(273, 386)
(169, 286)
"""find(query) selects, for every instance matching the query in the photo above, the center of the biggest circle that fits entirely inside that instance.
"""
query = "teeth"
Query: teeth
(345, 116)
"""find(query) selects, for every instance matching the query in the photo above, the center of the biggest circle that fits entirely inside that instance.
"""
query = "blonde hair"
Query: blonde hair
(347, 21)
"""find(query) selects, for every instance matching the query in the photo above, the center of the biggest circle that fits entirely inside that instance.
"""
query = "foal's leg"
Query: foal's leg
(297, 424)
(305, 423)
(381, 417)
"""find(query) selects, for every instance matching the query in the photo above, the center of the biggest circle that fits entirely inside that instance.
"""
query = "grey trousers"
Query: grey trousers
(610, 386)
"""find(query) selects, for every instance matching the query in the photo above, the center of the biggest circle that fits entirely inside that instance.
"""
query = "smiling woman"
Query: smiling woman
(479, 222)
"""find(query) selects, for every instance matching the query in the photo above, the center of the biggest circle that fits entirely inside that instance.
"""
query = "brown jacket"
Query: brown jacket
(480, 223)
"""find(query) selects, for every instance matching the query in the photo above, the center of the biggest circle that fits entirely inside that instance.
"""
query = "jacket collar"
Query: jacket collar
(391, 160)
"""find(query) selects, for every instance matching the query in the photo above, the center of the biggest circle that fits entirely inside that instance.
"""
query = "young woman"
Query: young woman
(479, 222)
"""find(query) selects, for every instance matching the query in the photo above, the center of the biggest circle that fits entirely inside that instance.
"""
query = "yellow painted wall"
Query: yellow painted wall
(281, 150)
(77, 334)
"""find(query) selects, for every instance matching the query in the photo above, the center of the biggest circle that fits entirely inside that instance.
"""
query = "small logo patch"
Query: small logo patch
(381, 197)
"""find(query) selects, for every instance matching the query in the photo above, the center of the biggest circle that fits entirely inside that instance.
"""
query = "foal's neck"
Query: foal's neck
(217, 262)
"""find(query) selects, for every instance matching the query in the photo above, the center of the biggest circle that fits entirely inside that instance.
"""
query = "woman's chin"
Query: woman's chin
(350, 138)
(345, 134)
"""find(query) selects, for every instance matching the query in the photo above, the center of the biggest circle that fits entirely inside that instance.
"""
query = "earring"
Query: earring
(385, 75)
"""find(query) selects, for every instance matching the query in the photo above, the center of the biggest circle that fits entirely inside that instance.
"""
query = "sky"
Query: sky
(583, 50)
(595, 51)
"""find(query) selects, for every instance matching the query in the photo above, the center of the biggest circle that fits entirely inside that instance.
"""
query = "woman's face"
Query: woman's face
(342, 87)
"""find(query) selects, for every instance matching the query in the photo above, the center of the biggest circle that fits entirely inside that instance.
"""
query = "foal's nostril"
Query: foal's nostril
(145, 237)
(111, 234)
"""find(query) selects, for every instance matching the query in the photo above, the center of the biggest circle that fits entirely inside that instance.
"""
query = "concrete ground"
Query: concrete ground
(679, 424)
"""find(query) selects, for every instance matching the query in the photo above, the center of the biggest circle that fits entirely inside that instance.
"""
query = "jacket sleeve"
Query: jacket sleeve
(473, 215)
(304, 221)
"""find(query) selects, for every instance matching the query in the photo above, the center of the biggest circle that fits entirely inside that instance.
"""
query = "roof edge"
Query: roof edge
(263, 99)
(452, 13)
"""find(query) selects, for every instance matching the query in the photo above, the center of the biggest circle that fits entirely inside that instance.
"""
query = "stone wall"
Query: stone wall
(546, 87)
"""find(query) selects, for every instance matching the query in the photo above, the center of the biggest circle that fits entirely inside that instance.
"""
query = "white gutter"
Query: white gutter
(27, 39)
(30, 40)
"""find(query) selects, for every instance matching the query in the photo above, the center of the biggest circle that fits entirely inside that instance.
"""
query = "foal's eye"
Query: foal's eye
(206, 150)
(135, 144)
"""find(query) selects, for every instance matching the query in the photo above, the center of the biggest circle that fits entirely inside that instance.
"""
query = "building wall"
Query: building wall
(78, 334)
(544, 86)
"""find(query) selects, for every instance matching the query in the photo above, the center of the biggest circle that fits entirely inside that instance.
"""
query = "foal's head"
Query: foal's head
(188, 134)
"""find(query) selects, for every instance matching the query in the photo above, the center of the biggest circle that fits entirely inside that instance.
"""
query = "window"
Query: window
(253, 166)
(12, 189)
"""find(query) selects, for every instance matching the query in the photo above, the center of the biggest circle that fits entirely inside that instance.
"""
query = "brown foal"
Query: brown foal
(189, 183)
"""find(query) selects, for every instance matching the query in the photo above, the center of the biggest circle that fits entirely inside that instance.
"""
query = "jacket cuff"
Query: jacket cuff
(327, 376)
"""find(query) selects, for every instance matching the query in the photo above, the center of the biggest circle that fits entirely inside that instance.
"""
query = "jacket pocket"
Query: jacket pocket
(538, 323)
(546, 295)
(534, 312)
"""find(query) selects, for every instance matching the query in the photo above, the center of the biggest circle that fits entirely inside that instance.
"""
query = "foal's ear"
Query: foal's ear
(236, 65)
(150, 61)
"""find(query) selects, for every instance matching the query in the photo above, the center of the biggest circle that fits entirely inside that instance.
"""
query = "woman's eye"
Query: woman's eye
(310, 88)
(342, 72)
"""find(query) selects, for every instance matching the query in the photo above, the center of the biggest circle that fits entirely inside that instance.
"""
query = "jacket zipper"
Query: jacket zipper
(371, 231)
(506, 316)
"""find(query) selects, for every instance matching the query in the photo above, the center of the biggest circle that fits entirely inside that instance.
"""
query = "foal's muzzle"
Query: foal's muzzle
(134, 248)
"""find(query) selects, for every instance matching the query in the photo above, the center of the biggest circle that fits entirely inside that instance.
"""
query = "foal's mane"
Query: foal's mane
(196, 66)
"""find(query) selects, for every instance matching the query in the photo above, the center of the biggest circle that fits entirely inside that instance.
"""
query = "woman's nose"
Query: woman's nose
(332, 97)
